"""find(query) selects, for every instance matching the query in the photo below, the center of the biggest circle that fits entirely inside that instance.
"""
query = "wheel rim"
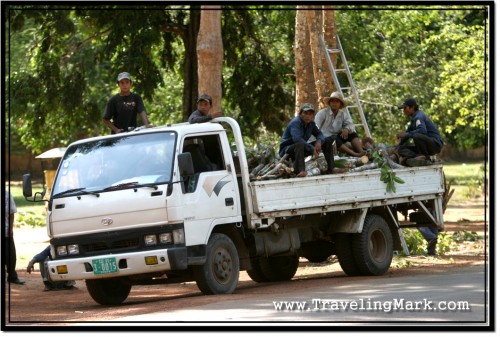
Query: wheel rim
(222, 265)
(378, 246)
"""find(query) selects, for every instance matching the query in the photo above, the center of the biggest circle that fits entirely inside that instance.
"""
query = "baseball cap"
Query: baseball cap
(123, 75)
(408, 102)
(307, 107)
(204, 97)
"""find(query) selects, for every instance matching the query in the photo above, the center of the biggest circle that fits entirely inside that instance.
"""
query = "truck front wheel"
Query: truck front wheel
(373, 247)
(221, 271)
(110, 291)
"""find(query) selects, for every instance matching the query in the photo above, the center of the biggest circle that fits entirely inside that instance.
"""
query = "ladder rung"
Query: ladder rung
(345, 88)
(334, 50)
(342, 69)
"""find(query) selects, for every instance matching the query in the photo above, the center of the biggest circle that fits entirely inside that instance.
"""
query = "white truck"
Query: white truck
(175, 204)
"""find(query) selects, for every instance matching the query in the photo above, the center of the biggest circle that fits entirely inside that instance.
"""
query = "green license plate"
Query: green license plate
(104, 266)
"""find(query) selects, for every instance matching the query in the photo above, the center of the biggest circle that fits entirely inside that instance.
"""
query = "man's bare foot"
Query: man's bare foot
(302, 174)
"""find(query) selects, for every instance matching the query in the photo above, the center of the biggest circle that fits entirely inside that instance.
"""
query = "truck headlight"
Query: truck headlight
(178, 235)
(62, 250)
(73, 250)
(165, 237)
(150, 240)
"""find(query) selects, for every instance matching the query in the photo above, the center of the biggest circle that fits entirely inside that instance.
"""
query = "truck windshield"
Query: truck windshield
(126, 161)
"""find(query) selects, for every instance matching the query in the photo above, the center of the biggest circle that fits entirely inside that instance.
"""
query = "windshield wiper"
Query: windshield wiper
(73, 190)
(128, 184)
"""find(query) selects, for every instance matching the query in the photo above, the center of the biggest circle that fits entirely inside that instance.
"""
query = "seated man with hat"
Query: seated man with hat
(295, 141)
(336, 125)
(202, 114)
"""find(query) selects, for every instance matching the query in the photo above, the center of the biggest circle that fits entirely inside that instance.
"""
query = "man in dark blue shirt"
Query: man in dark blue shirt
(295, 140)
(427, 141)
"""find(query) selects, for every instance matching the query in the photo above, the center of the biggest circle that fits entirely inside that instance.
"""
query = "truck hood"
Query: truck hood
(114, 210)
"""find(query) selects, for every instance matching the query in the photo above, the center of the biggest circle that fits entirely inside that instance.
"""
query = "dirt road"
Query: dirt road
(30, 305)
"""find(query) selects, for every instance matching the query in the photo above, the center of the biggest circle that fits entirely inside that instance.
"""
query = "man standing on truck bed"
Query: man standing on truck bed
(202, 113)
(124, 107)
(294, 141)
(427, 141)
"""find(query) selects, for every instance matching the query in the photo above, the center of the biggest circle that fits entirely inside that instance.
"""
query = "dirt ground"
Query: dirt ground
(29, 304)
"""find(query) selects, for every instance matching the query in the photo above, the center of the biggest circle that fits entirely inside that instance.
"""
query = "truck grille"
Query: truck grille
(102, 246)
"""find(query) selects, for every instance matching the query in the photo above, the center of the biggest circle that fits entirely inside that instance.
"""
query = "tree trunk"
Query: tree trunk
(304, 75)
(329, 35)
(321, 77)
(190, 66)
(210, 55)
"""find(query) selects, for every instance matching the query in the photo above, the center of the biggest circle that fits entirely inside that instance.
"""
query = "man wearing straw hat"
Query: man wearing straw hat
(336, 125)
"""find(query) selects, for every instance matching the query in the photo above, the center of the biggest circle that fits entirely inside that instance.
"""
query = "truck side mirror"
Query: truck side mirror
(27, 188)
(186, 168)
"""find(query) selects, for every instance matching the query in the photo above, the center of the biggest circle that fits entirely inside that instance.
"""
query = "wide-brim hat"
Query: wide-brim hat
(336, 95)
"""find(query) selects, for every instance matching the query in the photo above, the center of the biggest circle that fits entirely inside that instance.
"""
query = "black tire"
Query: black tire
(279, 268)
(221, 271)
(345, 254)
(111, 291)
(373, 247)
(256, 273)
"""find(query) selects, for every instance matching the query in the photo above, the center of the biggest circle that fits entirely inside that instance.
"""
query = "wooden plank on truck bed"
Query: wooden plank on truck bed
(346, 189)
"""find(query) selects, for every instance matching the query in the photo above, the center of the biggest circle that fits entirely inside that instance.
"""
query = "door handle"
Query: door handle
(229, 202)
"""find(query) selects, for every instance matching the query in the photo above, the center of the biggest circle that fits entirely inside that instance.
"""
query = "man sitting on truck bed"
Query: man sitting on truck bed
(294, 141)
(427, 141)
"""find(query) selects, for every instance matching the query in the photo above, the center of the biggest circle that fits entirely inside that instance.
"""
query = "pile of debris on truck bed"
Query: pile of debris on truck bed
(264, 164)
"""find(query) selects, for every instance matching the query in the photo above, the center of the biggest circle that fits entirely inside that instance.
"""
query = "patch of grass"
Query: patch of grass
(468, 180)
(28, 213)
(464, 173)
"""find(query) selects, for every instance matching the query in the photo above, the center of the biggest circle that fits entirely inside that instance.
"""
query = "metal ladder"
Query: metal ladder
(351, 87)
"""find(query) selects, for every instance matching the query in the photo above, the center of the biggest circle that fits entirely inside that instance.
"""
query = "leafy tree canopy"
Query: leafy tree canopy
(62, 64)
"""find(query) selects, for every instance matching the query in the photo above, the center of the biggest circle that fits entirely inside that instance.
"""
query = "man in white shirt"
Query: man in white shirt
(336, 125)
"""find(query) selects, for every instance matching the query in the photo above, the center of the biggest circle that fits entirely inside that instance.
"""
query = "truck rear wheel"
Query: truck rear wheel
(256, 273)
(345, 254)
(111, 291)
(279, 268)
(373, 247)
(221, 271)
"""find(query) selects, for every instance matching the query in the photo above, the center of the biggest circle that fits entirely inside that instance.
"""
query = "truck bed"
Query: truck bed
(336, 192)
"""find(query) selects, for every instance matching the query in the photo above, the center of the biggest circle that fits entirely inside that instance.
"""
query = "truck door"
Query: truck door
(210, 196)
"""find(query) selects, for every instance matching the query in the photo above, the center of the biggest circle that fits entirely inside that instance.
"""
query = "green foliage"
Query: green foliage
(30, 218)
(417, 245)
(387, 175)
(463, 235)
(437, 55)
(63, 62)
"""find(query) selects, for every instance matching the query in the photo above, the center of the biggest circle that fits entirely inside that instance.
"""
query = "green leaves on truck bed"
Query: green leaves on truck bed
(387, 175)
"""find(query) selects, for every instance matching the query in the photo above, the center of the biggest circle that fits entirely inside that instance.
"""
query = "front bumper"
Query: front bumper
(131, 263)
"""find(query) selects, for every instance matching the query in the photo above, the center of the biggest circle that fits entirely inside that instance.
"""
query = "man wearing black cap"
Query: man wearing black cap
(202, 113)
(427, 141)
(124, 107)
(294, 140)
